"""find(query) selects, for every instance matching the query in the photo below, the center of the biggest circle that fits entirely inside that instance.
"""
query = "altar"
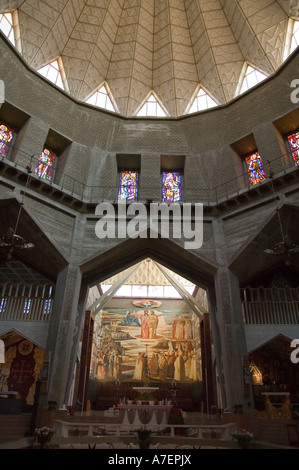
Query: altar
(140, 414)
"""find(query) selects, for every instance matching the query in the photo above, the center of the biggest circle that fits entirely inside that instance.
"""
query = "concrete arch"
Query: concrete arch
(164, 251)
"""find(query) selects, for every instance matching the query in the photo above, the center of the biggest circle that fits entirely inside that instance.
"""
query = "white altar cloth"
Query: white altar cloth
(153, 410)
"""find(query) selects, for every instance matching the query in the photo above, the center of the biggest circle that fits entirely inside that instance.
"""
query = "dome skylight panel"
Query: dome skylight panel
(6, 26)
(101, 99)
(52, 73)
(201, 102)
(252, 78)
(151, 108)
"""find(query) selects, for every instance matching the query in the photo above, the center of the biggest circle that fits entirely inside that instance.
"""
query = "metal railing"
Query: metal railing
(270, 306)
(26, 302)
(95, 194)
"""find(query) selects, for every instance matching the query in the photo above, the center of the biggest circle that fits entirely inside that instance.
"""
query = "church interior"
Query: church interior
(108, 324)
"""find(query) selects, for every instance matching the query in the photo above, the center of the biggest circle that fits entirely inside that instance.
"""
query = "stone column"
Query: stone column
(63, 332)
(229, 317)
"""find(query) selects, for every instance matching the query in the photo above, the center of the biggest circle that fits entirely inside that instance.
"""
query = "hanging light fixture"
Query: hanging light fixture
(10, 240)
(286, 246)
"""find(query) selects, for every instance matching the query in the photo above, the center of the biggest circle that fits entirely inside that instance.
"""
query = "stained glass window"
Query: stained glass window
(47, 306)
(255, 169)
(3, 303)
(294, 145)
(45, 166)
(6, 135)
(128, 185)
(27, 306)
(171, 187)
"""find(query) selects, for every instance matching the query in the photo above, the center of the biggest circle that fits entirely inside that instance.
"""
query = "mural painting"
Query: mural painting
(147, 342)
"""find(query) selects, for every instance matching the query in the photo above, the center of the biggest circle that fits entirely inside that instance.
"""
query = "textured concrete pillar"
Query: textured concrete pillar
(63, 332)
(229, 317)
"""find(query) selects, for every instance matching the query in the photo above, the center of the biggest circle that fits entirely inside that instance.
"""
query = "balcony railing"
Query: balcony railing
(26, 302)
(105, 192)
(270, 306)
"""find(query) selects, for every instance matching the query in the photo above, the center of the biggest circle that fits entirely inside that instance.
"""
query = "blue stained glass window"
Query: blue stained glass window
(6, 135)
(3, 303)
(47, 306)
(171, 186)
(128, 185)
(255, 169)
(27, 306)
(294, 145)
(45, 166)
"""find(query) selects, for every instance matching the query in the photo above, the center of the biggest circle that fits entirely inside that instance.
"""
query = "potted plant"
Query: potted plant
(244, 438)
(43, 435)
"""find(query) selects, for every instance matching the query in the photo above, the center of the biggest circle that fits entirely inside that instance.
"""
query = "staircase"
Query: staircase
(14, 427)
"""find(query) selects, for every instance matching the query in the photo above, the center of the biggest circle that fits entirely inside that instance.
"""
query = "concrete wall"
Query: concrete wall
(96, 136)
(212, 143)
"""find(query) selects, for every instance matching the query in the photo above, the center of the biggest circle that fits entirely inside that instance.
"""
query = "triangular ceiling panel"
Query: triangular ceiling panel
(168, 46)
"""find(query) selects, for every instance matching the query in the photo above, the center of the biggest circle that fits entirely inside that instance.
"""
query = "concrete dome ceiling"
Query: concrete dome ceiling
(168, 46)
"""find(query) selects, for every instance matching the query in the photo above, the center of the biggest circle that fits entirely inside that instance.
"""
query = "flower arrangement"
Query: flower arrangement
(244, 438)
(43, 435)
(243, 435)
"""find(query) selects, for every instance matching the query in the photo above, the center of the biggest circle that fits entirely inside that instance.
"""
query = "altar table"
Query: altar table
(148, 413)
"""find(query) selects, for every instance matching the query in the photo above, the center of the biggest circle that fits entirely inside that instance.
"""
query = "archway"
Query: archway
(128, 338)
(273, 372)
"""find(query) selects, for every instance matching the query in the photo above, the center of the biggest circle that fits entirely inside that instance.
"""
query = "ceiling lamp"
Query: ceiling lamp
(10, 240)
(286, 246)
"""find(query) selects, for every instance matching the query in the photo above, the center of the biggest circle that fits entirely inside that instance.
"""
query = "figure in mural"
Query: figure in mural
(174, 323)
(170, 365)
(153, 366)
(179, 367)
(163, 365)
(140, 367)
(117, 366)
(179, 332)
(187, 330)
(101, 366)
(153, 324)
(144, 324)
(130, 319)
(192, 373)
